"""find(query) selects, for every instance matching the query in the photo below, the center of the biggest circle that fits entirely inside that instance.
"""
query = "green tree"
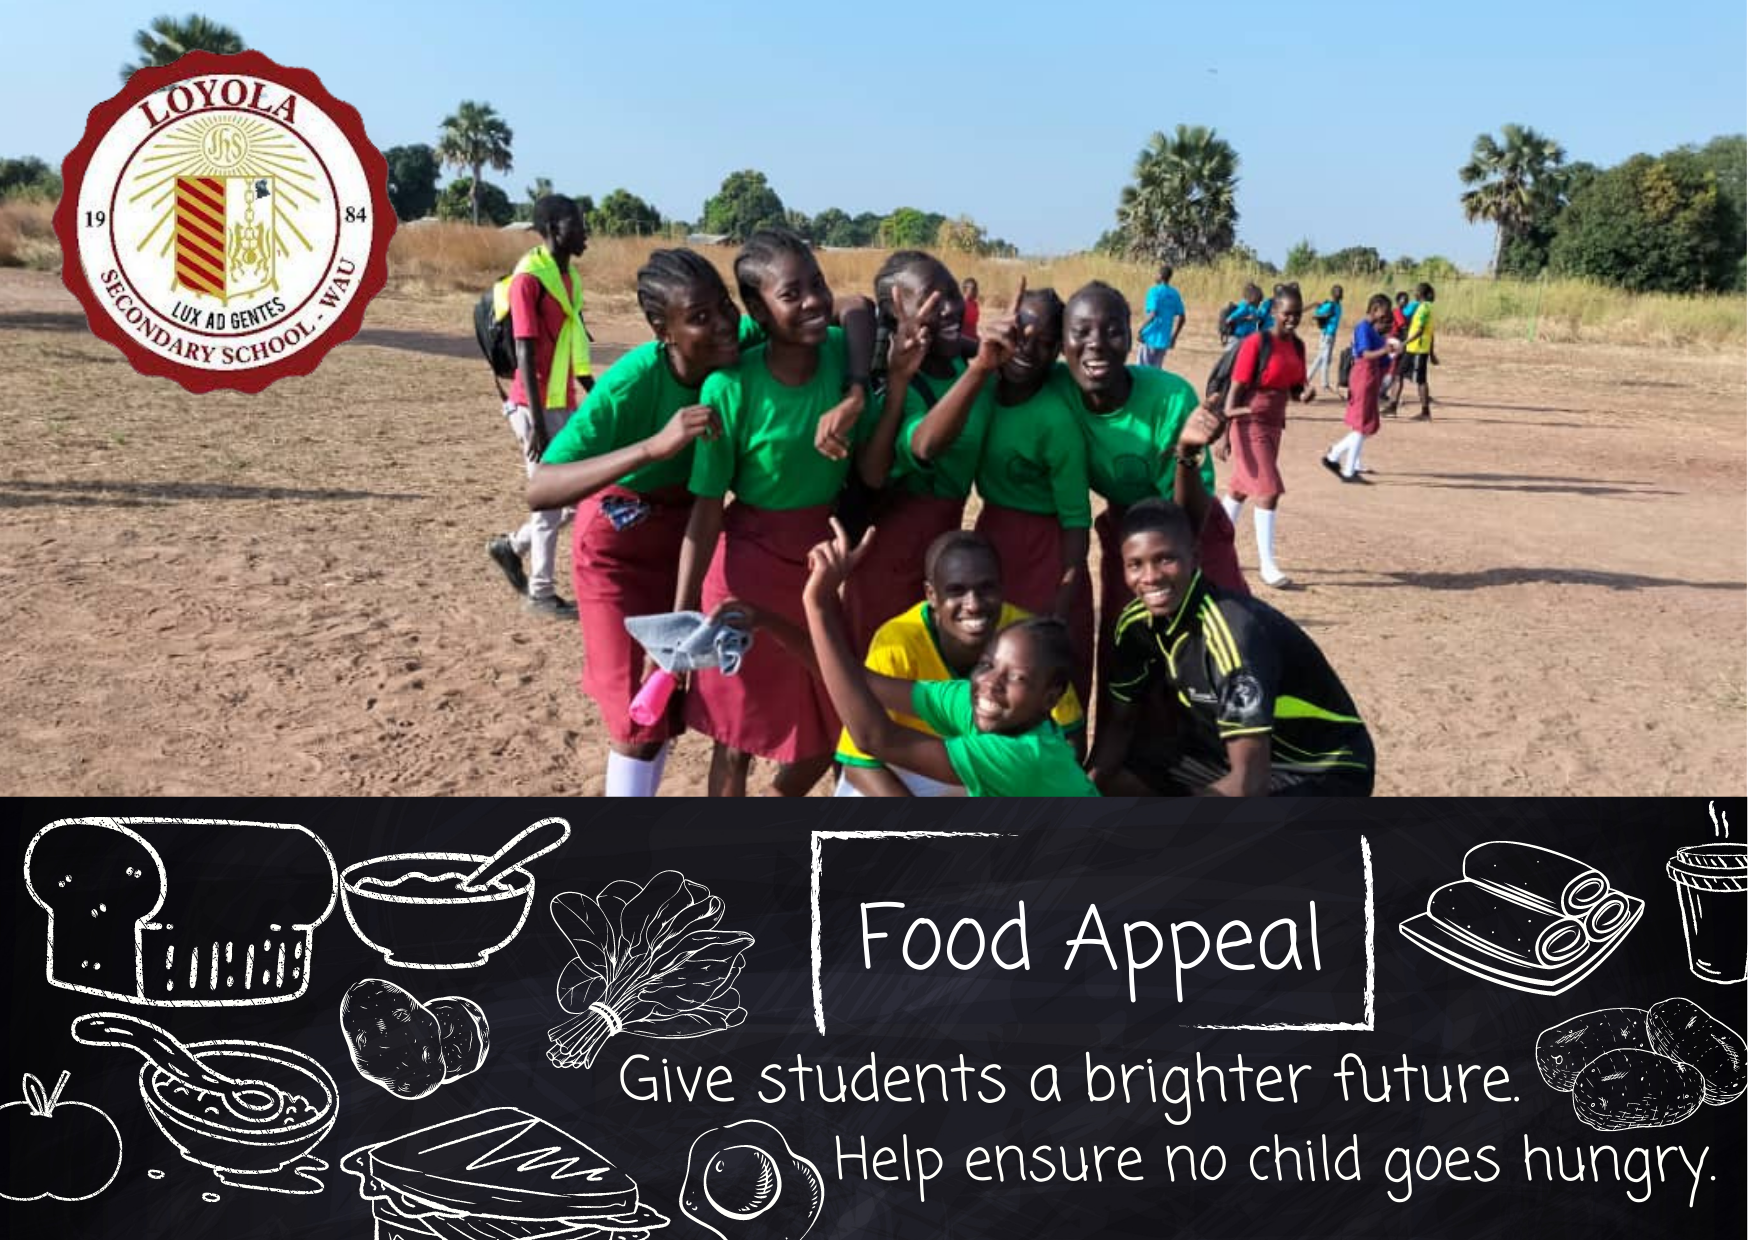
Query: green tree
(1516, 183)
(745, 203)
(1302, 258)
(1651, 224)
(833, 227)
(1181, 206)
(1727, 157)
(623, 214)
(30, 178)
(1360, 260)
(412, 180)
(458, 201)
(475, 138)
(168, 39)
(907, 228)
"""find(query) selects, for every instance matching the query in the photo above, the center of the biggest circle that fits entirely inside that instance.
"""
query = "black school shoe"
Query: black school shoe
(552, 605)
(1331, 466)
(505, 557)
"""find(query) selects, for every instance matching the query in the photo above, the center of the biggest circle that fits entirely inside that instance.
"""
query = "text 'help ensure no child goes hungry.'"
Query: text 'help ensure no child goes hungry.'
(1286, 943)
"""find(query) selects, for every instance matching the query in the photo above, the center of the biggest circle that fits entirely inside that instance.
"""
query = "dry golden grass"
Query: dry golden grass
(27, 235)
(450, 257)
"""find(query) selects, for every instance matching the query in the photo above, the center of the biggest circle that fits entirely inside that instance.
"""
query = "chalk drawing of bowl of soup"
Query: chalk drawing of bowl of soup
(412, 908)
(274, 1154)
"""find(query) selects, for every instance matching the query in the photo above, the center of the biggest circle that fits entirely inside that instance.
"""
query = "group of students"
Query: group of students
(920, 657)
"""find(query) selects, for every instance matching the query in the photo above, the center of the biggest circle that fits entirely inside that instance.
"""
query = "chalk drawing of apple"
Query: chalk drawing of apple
(68, 1151)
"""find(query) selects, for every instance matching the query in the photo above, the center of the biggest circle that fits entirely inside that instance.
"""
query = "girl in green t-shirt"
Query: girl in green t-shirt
(629, 455)
(791, 417)
(920, 486)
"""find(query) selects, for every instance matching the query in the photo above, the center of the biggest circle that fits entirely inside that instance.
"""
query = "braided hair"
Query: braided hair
(669, 274)
(753, 263)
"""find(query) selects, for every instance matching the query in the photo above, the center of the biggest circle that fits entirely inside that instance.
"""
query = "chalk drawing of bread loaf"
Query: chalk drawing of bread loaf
(181, 912)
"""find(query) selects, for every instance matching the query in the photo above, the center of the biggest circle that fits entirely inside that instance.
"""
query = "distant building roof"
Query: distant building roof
(709, 239)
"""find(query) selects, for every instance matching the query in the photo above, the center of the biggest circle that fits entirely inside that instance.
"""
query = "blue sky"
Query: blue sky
(1026, 116)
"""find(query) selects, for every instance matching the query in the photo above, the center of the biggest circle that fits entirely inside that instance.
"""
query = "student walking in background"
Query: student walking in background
(1247, 317)
(1267, 375)
(1373, 352)
(1327, 317)
(973, 308)
(552, 364)
(1417, 352)
(1392, 389)
(1163, 322)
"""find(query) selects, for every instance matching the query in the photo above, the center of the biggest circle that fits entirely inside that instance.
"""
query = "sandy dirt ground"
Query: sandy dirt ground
(1542, 594)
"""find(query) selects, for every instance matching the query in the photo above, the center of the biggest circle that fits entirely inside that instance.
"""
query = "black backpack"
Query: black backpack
(1345, 367)
(1224, 325)
(1220, 378)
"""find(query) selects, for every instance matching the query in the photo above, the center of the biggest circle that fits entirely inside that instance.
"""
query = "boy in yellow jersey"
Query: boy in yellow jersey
(941, 638)
(1417, 351)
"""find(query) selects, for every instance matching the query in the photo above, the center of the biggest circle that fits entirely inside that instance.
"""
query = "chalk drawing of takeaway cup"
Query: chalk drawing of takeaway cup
(1711, 881)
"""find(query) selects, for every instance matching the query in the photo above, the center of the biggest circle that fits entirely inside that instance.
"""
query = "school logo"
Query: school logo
(225, 221)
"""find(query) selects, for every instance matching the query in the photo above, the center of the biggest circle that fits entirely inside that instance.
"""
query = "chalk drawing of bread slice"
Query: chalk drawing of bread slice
(181, 912)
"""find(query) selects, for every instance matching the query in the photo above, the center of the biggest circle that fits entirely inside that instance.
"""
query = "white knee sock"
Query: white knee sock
(1347, 452)
(1233, 507)
(1265, 543)
(633, 777)
(1359, 448)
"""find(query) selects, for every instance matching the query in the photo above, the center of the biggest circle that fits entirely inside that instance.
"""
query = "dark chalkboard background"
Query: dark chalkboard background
(1162, 863)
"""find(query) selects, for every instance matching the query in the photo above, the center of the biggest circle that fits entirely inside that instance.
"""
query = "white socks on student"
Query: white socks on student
(1346, 453)
(635, 777)
(1233, 507)
(1265, 548)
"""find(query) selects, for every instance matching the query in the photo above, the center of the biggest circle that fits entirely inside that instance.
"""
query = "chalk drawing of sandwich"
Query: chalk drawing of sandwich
(1525, 917)
(499, 1173)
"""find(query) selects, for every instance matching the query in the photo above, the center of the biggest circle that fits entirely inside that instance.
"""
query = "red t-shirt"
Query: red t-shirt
(525, 299)
(969, 326)
(1285, 369)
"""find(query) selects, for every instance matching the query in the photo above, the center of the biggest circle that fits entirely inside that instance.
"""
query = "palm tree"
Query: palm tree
(476, 137)
(1181, 207)
(166, 39)
(1514, 179)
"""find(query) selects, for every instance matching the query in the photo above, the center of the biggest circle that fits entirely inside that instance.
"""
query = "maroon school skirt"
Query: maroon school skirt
(620, 573)
(1030, 549)
(1362, 395)
(775, 708)
(1256, 446)
(889, 580)
(1219, 565)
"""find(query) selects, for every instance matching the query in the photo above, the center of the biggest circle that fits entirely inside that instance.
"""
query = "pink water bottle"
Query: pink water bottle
(652, 699)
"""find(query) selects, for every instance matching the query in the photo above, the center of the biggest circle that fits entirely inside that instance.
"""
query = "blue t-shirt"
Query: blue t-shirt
(1365, 339)
(1164, 304)
(1246, 319)
(1333, 309)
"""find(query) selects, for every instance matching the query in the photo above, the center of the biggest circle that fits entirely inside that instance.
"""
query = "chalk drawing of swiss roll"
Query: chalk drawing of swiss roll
(1526, 917)
(1549, 882)
(648, 960)
(498, 1174)
(181, 912)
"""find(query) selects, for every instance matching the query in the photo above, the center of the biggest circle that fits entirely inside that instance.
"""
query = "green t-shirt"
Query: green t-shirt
(631, 402)
(1038, 763)
(1034, 458)
(949, 475)
(765, 454)
(1129, 451)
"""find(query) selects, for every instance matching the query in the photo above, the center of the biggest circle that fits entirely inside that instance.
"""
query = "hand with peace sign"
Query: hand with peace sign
(914, 332)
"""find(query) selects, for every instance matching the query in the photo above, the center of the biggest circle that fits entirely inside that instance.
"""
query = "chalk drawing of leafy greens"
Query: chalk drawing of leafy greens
(649, 960)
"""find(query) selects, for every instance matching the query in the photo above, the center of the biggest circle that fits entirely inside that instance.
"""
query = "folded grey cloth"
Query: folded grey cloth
(686, 641)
